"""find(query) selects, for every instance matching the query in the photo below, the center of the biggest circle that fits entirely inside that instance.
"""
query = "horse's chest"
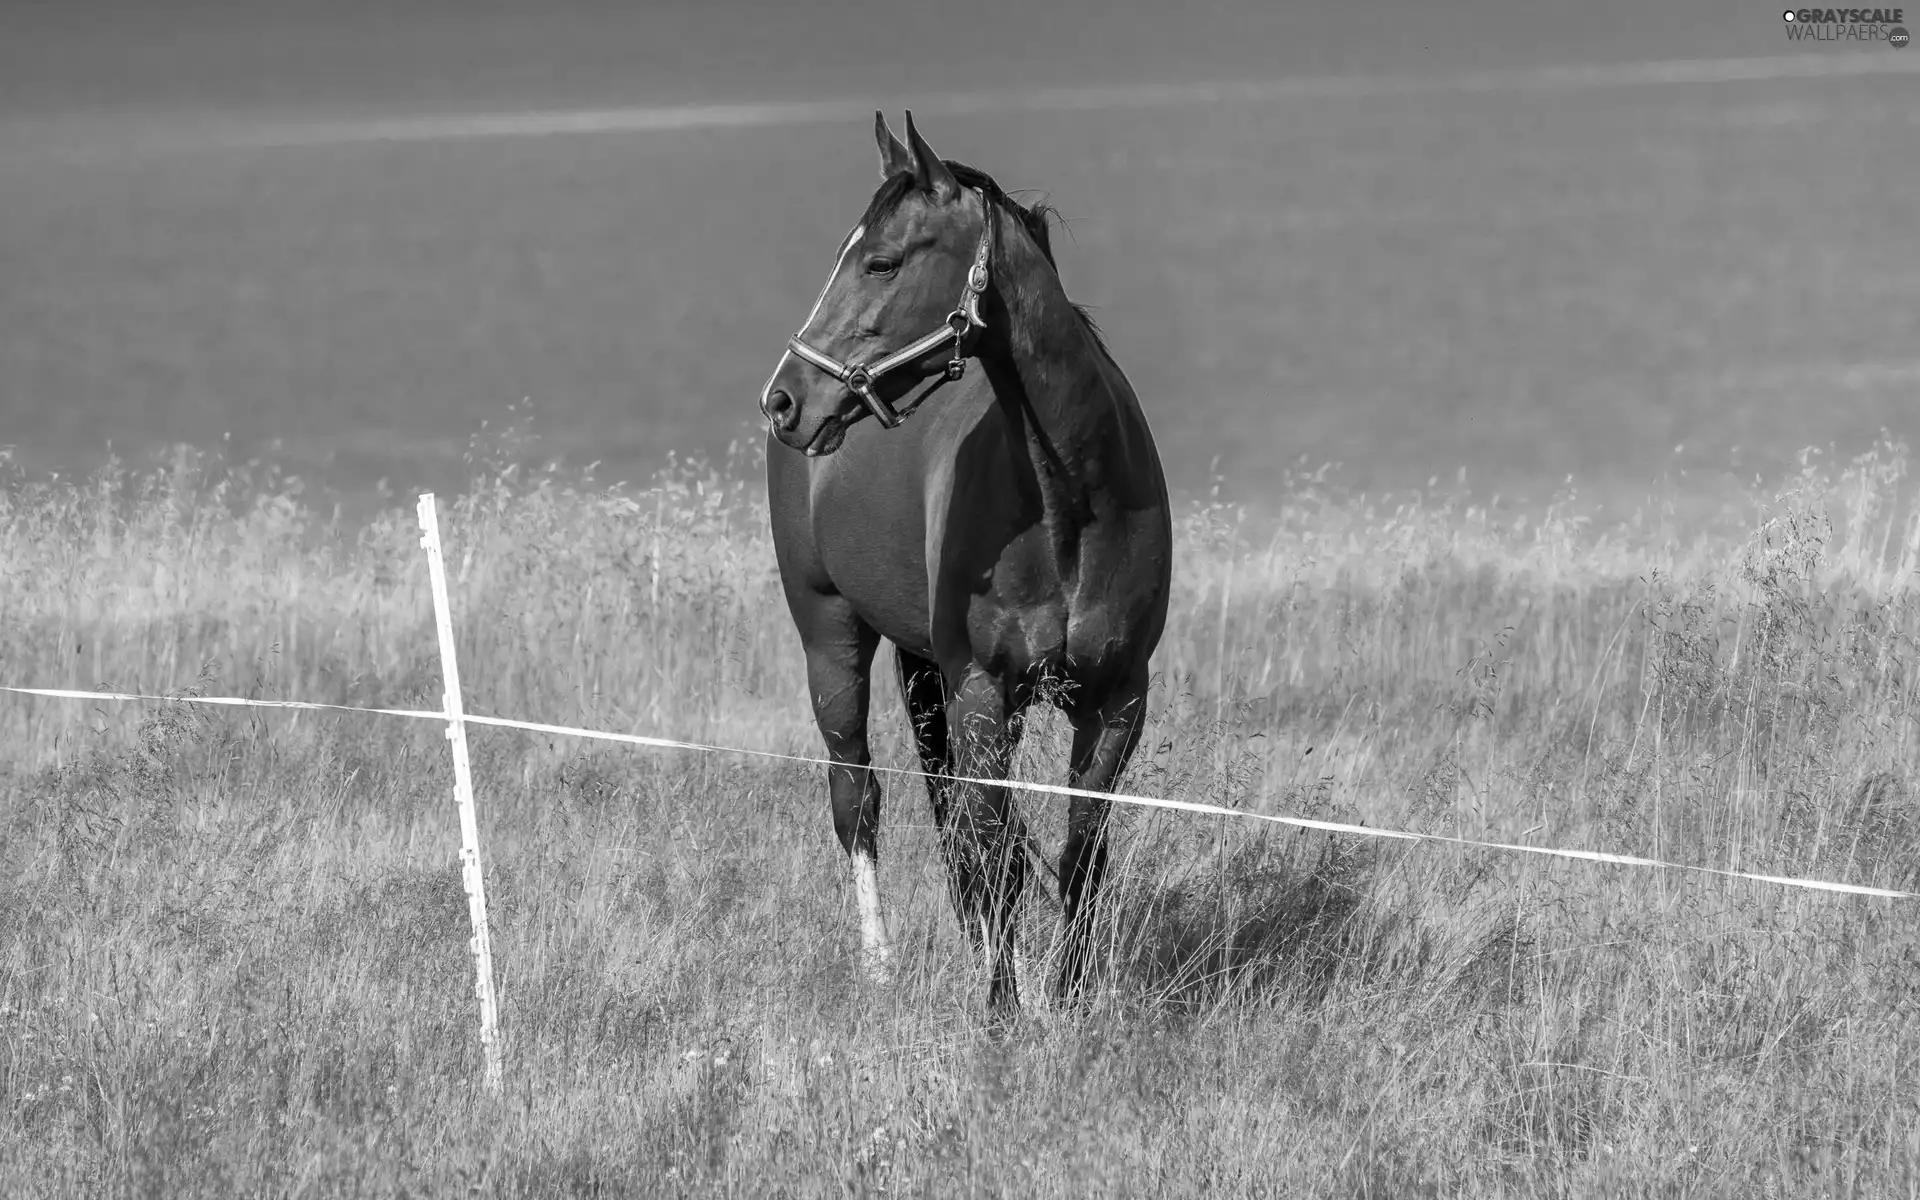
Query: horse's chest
(883, 576)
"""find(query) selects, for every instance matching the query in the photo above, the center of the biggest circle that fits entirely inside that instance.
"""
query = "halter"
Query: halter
(960, 324)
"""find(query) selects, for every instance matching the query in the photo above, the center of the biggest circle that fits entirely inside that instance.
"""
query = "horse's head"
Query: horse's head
(902, 303)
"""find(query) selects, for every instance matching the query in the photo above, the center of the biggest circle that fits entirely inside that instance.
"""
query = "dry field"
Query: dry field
(233, 944)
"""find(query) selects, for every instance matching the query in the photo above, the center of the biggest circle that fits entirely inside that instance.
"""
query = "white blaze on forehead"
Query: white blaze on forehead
(839, 264)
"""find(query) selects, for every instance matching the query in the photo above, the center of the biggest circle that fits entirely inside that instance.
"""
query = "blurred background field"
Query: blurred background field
(1612, 282)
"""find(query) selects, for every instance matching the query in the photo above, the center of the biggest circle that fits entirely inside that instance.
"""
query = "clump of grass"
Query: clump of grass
(233, 943)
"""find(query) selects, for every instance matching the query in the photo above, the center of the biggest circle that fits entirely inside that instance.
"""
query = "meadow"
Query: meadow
(233, 942)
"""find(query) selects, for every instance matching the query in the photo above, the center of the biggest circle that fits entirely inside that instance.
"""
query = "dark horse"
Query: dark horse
(1015, 531)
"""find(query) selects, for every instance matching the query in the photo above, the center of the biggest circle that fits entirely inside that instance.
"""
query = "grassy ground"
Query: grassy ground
(233, 944)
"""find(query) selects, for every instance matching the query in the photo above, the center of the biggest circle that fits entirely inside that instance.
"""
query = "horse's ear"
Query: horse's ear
(894, 158)
(935, 179)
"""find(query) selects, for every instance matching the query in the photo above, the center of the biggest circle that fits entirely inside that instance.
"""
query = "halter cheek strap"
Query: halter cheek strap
(961, 324)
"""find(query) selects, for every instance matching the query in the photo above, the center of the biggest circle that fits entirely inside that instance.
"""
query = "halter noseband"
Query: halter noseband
(960, 324)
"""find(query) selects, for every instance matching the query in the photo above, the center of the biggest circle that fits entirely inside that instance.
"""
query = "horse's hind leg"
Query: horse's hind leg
(1104, 738)
(981, 837)
(840, 648)
(925, 693)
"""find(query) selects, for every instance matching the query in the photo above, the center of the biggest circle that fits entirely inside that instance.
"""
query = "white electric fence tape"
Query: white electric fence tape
(637, 739)
(457, 720)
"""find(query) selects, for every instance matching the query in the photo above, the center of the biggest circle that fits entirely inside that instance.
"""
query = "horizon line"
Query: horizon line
(244, 133)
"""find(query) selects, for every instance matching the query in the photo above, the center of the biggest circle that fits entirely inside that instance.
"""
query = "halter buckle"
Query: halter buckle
(861, 384)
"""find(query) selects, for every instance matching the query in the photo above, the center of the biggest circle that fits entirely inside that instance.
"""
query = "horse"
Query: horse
(1002, 527)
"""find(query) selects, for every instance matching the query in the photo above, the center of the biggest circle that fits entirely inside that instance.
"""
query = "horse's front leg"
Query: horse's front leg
(980, 834)
(840, 648)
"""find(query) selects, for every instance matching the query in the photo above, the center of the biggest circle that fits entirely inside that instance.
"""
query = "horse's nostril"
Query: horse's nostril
(781, 409)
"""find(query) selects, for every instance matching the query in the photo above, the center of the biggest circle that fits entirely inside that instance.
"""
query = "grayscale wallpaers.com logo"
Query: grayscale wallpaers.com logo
(1848, 25)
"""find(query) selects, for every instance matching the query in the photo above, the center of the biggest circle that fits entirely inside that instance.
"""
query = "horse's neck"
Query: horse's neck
(1052, 373)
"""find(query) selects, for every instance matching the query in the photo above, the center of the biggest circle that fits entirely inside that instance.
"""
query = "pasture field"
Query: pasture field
(233, 943)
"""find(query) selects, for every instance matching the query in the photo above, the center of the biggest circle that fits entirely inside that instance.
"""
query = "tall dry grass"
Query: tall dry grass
(232, 943)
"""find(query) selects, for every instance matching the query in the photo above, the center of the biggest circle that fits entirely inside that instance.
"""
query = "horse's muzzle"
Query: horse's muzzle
(807, 418)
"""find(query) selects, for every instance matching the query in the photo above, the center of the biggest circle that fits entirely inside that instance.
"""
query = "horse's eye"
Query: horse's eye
(881, 266)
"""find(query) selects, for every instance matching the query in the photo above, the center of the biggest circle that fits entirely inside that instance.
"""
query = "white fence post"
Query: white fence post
(470, 872)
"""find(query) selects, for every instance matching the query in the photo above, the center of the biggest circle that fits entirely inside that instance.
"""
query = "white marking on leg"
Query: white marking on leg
(992, 945)
(839, 264)
(1034, 996)
(874, 953)
(989, 950)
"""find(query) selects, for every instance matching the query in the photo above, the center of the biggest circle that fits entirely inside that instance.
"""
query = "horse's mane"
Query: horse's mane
(1035, 218)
